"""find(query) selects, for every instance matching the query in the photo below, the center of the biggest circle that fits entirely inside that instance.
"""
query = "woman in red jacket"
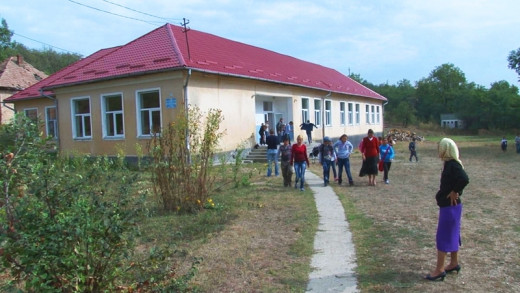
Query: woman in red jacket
(300, 160)
(370, 152)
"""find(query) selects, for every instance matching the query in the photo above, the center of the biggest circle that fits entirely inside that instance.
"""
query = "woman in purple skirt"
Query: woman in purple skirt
(453, 181)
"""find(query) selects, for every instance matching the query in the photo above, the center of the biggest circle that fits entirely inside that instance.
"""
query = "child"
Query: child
(327, 157)
(413, 152)
(503, 144)
(386, 152)
(284, 153)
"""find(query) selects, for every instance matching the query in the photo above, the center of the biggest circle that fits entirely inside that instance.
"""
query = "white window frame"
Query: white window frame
(317, 112)
(378, 115)
(305, 110)
(328, 113)
(27, 110)
(367, 114)
(372, 114)
(342, 118)
(150, 111)
(350, 109)
(358, 114)
(114, 114)
(53, 122)
(83, 117)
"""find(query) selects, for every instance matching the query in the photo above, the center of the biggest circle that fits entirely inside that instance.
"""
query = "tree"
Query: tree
(514, 61)
(5, 40)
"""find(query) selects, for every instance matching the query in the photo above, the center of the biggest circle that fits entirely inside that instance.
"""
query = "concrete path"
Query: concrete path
(334, 258)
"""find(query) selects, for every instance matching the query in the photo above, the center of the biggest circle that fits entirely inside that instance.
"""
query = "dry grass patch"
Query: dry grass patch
(394, 225)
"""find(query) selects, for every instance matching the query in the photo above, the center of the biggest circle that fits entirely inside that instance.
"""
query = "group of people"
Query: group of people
(282, 130)
(503, 143)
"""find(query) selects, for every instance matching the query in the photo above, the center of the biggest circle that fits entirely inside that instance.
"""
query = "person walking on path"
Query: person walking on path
(334, 261)
(284, 153)
(453, 181)
(412, 148)
(369, 148)
(343, 149)
(308, 127)
(300, 160)
(386, 151)
(272, 149)
(327, 157)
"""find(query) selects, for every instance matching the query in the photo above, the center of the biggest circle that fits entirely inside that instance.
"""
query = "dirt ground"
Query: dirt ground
(489, 256)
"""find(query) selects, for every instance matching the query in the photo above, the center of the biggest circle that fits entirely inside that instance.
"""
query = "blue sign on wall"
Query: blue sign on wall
(171, 103)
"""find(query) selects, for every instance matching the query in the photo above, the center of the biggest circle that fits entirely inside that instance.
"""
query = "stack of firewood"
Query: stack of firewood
(403, 135)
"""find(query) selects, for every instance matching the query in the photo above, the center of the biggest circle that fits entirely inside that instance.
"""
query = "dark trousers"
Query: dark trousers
(344, 164)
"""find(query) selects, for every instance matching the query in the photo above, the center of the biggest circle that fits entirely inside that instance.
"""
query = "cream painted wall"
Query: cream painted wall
(238, 98)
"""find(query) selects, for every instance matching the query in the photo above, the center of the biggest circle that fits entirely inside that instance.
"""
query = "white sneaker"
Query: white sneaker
(387, 181)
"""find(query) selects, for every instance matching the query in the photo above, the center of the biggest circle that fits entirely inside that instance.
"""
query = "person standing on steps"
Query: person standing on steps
(453, 181)
(280, 130)
(308, 127)
(300, 160)
(412, 148)
(343, 149)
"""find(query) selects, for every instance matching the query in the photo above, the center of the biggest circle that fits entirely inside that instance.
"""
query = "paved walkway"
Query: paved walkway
(334, 259)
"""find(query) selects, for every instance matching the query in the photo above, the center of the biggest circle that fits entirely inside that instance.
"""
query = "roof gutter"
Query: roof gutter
(57, 134)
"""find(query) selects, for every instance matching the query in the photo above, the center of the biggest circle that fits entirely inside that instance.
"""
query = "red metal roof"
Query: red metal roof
(165, 49)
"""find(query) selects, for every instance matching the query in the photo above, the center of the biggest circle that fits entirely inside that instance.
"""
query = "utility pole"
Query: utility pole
(186, 29)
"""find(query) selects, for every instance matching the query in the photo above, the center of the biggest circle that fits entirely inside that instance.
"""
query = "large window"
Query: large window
(367, 114)
(317, 112)
(112, 109)
(51, 122)
(358, 114)
(31, 113)
(342, 113)
(350, 113)
(149, 112)
(305, 110)
(81, 127)
(328, 113)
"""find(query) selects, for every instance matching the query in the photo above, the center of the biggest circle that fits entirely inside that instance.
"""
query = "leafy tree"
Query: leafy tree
(514, 61)
(5, 40)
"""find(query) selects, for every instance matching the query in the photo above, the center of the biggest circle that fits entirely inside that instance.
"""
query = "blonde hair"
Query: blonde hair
(448, 150)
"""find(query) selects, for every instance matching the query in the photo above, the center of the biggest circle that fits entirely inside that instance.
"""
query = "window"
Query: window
(328, 114)
(372, 114)
(378, 115)
(268, 106)
(81, 127)
(31, 113)
(342, 113)
(367, 114)
(305, 110)
(317, 112)
(149, 112)
(350, 113)
(112, 109)
(358, 114)
(51, 123)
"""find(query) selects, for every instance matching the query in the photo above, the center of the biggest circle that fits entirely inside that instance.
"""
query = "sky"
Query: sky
(383, 41)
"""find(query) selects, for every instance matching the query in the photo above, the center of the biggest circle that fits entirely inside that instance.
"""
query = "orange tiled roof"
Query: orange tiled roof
(17, 74)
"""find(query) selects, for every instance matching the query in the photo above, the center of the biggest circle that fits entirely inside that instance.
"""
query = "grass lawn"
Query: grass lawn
(394, 225)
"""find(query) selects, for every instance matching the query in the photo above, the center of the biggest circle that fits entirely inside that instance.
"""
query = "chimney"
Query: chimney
(19, 59)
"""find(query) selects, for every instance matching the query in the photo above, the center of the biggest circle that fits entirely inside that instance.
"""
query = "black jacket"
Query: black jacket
(453, 178)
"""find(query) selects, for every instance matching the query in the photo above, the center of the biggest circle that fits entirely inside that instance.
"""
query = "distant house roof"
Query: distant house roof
(449, 117)
(166, 49)
(16, 74)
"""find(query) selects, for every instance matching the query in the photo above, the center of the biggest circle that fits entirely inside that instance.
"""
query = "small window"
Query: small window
(350, 113)
(317, 112)
(149, 112)
(358, 114)
(81, 124)
(342, 113)
(305, 110)
(51, 122)
(367, 114)
(328, 113)
(112, 107)
(31, 113)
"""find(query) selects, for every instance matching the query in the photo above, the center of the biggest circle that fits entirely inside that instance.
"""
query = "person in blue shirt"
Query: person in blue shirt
(343, 149)
(386, 153)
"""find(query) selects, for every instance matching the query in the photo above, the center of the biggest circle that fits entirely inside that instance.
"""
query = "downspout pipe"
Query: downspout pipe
(57, 134)
(323, 115)
(186, 109)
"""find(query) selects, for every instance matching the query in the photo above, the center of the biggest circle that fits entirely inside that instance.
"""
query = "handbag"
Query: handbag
(380, 165)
